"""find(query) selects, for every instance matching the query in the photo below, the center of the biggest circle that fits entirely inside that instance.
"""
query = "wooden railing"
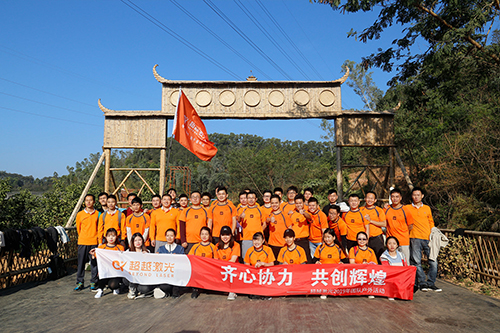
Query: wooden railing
(15, 270)
(485, 256)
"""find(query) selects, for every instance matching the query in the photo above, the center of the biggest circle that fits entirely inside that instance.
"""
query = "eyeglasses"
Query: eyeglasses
(362, 239)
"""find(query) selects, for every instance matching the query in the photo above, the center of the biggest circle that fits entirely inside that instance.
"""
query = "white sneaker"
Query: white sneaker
(371, 297)
(116, 292)
(158, 293)
(322, 297)
(98, 294)
(231, 296)
(131, 293)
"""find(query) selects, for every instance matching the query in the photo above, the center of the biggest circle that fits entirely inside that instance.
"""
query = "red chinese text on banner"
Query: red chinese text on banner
(190, 131)
(205, 273)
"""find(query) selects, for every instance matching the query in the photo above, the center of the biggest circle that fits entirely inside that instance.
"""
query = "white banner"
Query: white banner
(144, 268)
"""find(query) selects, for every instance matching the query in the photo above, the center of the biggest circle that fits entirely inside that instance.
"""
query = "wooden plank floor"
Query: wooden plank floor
(54, 307)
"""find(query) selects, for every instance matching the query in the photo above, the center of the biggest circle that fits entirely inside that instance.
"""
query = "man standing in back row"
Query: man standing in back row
(419, 241)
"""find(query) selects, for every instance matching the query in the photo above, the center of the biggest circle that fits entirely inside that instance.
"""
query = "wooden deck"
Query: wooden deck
(54, 307)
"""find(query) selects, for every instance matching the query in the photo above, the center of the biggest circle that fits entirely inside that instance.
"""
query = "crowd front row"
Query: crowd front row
(291, 232)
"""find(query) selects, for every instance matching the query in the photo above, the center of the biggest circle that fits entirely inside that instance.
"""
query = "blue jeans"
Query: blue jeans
(417, 245)
(312, 247)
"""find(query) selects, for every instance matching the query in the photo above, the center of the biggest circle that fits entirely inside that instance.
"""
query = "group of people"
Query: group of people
(287, 228)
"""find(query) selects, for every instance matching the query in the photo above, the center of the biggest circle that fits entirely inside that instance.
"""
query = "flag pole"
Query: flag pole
(173, 129)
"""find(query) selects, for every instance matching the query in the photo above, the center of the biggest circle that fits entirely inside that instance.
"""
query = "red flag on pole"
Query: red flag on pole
(190, 132)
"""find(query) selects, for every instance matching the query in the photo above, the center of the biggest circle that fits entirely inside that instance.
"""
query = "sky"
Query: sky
(57, 58)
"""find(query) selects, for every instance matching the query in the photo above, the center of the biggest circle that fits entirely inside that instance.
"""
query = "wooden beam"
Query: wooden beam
(377, 179)
(107, 171)
(356, 180)
(163, 165)
(144, 181)
(84, 193)
(339, 174)
(401, 165)
(123, 181)
(138, 169)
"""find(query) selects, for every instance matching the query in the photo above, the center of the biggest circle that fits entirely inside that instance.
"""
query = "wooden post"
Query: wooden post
(84, 193)
(391, 167)
(402, 166)
(163, 168)
(340, 193)
(107, 171)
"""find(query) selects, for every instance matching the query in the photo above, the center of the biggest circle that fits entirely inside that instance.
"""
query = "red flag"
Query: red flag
(190, 132)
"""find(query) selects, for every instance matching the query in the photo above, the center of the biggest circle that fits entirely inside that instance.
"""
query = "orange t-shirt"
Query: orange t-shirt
(201, 250)
(265, 255)
(398, 221)
(277, 229)
(266, 211)
(329, 254)
(288, 207)
(422, 221)
(254, 219)
(221, 215)
(138, 224)
(86, 226)
(117, 247)
(227, 253)
(376, 214)
(296, 256)
(115, 220)
(355, 223)
(360, 255)
(195, 219)
(299, 225)
(316, 225)
(161, 221)
(339, 227)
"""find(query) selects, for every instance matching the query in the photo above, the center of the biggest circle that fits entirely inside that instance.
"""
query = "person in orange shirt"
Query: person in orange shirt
(240, 214)
(278, 222)
(183, 202)
(300, 226)
(204, 249)
(110, 244)
(155, 202)
(103, 201)
(173, 195)
(222, 213)
(252, 222)
(317, 225)
(354, 221)
(227, 250)
(191, 221)
(86, 226)
(206, 200)
(399, 222)
(129, 210)
(279, 192)
(266, 209)
(259, 255)
(291, 254)
(419, 241)
(289, 206)
(112, 218)
(329, 252)
(138, 222)
(163, 219)
(361, 253)
(308, 192)
(376, 217)
(337, 224)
